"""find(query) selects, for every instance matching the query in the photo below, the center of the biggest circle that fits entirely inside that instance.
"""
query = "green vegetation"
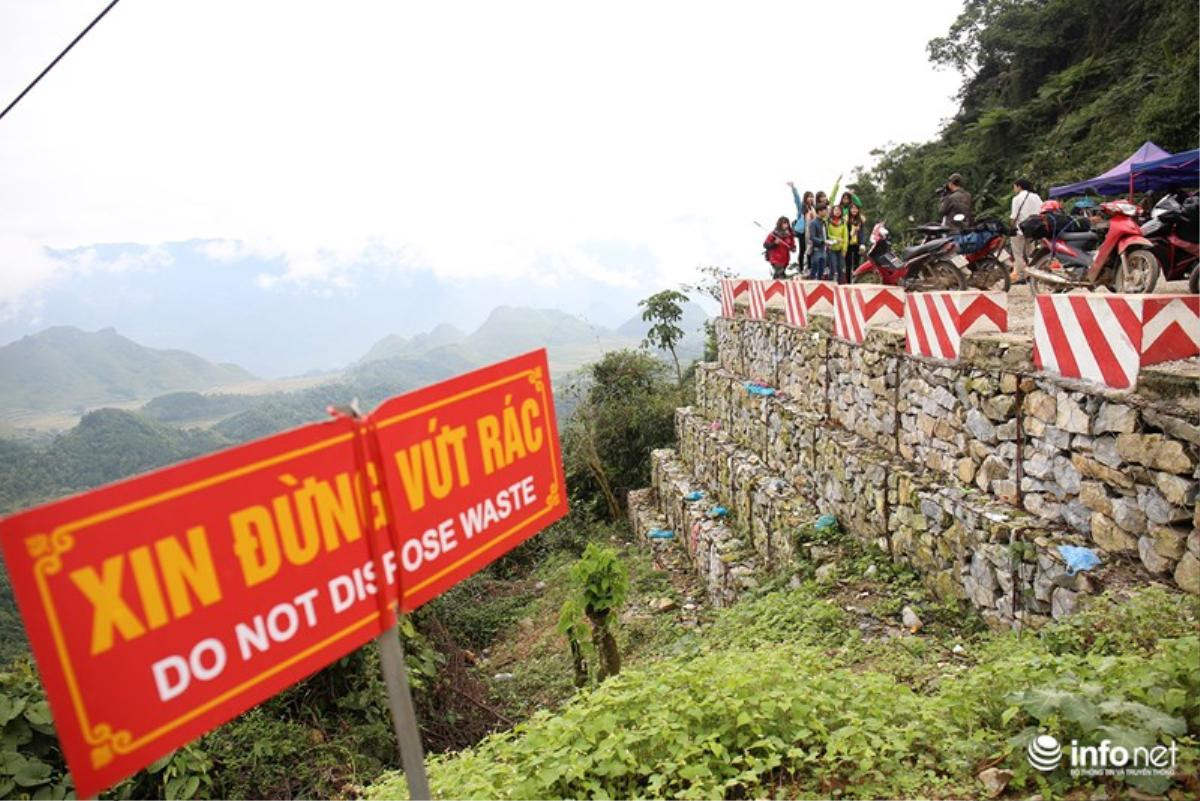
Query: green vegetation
(1056, 91)
(624, 411)
(602, 583)
(664, 312)
(776, 700)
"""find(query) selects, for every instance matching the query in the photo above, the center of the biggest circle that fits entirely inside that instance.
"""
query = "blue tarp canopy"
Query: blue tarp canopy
(1180, 170)
(1116, 180)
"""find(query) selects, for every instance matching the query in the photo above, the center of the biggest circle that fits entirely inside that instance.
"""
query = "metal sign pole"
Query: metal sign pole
(391, 649)
(404, 717)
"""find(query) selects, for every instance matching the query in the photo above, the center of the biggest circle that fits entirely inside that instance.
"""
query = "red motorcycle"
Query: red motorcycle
(1124, 262)
(988, 265)
(933, 264)
(1174, 228)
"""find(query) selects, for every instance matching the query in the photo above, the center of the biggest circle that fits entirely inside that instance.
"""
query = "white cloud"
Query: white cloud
(479, 139)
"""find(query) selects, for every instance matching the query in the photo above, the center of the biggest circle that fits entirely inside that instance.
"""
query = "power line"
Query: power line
(58, 58)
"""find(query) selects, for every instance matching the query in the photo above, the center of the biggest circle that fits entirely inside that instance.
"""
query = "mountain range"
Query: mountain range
(66, 370)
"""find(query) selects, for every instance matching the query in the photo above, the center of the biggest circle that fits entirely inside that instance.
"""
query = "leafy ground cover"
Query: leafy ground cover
(817, 690)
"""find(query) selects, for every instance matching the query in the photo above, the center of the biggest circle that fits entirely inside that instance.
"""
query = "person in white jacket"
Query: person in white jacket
(1025, 204)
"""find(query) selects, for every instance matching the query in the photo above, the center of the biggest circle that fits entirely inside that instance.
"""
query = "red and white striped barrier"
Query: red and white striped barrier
(1107, 338)
(795, 310)
(756, 309)
(774, 293)
(733, 289)
(858, 307)
(757, 295)
(935, 322)
(1170, 328)
(818, 297)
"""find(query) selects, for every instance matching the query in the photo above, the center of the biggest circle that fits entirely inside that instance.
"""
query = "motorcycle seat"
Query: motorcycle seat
(1080, 238)
(924, 247)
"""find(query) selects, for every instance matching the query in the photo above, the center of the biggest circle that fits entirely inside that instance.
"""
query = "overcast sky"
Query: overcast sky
(318, 140)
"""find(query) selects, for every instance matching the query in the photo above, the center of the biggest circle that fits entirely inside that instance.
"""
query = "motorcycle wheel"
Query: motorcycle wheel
(936, 276)
(1039, 287)
(1139, 272)
(1194, 281)
(990, 275)
(868, 277)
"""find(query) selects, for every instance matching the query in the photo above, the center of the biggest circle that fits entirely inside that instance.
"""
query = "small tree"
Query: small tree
(664, 311)
(603, 583)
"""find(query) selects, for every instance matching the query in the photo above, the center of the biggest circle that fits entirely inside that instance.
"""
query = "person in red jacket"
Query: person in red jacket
(780, 244)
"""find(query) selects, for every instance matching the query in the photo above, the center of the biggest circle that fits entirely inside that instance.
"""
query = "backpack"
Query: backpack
(1051, 225)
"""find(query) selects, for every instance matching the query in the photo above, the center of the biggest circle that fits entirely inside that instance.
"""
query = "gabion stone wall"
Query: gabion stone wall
(943, 465)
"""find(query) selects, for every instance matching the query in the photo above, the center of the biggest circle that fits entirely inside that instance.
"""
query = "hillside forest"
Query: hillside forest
(785, 694)
(1054, 91)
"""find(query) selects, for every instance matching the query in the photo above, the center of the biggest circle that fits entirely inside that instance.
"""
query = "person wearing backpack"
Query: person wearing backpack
(816, 238)
(780, 244)
(804, 214)
(1025, 204)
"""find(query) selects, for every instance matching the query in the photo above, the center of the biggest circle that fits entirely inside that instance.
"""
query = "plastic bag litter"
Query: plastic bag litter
(759, 389)
(718, 511)
(1078, 558)
(695, 495)
(825, 522)
(661, 534)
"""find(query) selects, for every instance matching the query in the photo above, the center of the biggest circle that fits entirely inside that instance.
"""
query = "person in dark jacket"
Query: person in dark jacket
(816, 238)
(956, 201)
(856, 239)
(780, 245)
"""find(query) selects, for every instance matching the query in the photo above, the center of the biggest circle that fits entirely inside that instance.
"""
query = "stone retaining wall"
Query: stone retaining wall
(973, 471)
(1119, 469)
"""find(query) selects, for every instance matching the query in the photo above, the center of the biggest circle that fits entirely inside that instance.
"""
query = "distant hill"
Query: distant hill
(394, 345)
(64, 368)
(508, 331)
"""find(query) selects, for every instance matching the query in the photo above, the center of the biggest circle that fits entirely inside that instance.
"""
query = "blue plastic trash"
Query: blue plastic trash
(693, 496)
(661, 534)
(718, 511)
(759, 389)
(1078, 558)
(825, 522)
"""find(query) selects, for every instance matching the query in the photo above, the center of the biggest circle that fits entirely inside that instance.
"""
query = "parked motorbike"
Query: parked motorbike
(988, 264)
(1123, 262)
(987, 261)
(1174, 228)
(931, 265)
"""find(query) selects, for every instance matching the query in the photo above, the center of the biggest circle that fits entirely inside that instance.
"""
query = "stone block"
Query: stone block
(1092, 469)
(1175, 489)
(1128, 515)
(1093, 495)
(1187, 573)
(1072, 417)
(1041, 406)
(1110, 537)
(1063, 602)
(1115, 417)
(1155, 562)
(1158, 510)
(1157, 451)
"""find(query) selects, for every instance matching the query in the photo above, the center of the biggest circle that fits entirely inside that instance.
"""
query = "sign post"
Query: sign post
(160, 607)
(404, 717)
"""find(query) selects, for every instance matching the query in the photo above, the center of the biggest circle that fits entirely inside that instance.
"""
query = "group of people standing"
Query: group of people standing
(829, 240)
